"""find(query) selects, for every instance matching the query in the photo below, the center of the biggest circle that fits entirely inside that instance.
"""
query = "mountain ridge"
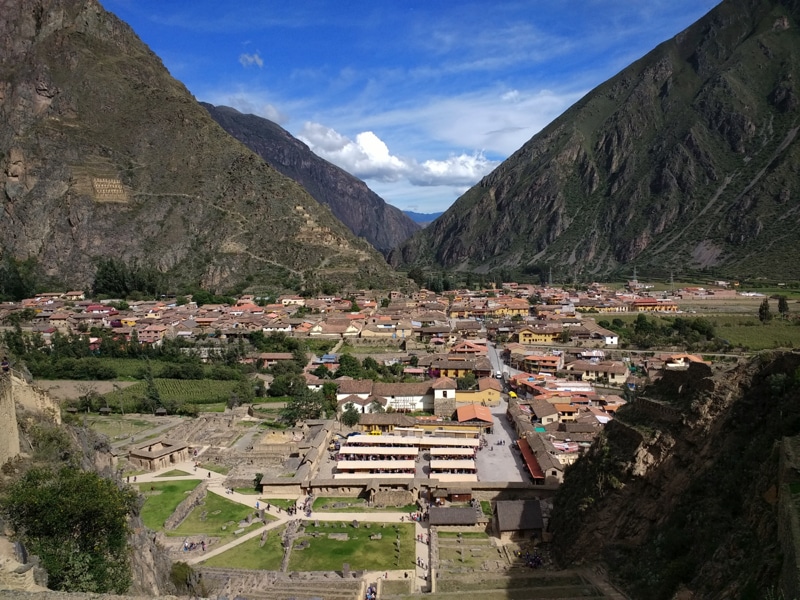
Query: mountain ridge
(104, 155)
(680, 161)
(365, 213)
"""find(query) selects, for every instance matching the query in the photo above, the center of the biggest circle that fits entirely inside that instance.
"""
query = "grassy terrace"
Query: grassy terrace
(217, 516)
(326, 554)
(282, 502)
(173, 473)
(252, 554)
(326, 504)
(117, 426)
(161, 500)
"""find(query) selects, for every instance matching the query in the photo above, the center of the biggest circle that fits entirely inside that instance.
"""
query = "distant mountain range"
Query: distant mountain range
(365, 213)
(103, 155)
(423, 218)
(686, 161)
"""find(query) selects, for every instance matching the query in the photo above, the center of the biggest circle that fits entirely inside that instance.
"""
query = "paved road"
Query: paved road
(500, 462)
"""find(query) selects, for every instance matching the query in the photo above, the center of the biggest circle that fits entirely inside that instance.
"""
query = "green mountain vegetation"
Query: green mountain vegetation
(104, 155)
(685, 161)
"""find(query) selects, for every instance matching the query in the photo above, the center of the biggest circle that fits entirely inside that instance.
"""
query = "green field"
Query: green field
(751, 333)
(221, 469)
(739, 330)
(352, 503)
(252, 555)
(282, 502)
(359, 551)
(116, 426)
(216, 516)
(464, 535)
(173, 473)
(184, 391)
(162, 498)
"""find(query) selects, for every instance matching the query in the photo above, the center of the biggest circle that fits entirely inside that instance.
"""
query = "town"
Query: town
(459, 422)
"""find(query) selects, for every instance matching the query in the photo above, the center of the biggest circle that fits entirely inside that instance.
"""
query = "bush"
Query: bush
(76, 522)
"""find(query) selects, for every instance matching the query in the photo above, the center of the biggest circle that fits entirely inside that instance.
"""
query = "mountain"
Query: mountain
(104, 155)
(686, 160)
(365, 213)
(423, 218)
(691, 490)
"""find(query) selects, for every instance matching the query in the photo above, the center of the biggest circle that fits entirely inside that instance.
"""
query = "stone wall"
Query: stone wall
(195, 498)
(444, 407)
(393, 498)
(9, 434)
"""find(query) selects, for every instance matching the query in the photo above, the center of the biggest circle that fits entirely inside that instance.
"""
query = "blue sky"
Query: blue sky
(420, 99)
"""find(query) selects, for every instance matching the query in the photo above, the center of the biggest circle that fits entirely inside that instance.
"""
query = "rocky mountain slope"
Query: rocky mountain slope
(681, 492)
(685, 160)
(365, 213)
(104, 154)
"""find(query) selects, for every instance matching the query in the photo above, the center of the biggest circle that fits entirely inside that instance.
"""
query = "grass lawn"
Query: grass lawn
(357, 505)
(251, 555)
(214, 407)
(117, 426)
(212, 516)
(486, 507)
(216, 468)
(282, 502)
(248, 491)
(354, 504)
(325, 554)
(173, 473)
(161, 499)
(466, 535)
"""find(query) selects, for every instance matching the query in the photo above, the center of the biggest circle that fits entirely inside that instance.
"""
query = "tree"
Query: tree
(783, 307)
(349, 366)
(350, 416)
(329, 390)
(417, 276)
(764, 313)
(303, 406)
(467, 382)
(76, 522)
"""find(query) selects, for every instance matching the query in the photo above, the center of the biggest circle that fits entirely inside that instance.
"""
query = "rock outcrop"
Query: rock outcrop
(680, 492)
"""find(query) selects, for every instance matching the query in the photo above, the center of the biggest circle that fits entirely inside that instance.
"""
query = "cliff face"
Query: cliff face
(365, 213)
(681, 491)
(103, 154)
(684, 160)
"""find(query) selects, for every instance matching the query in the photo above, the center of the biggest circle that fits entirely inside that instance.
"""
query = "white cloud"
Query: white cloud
(462, 170)
(248, 60)
(368, 157)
